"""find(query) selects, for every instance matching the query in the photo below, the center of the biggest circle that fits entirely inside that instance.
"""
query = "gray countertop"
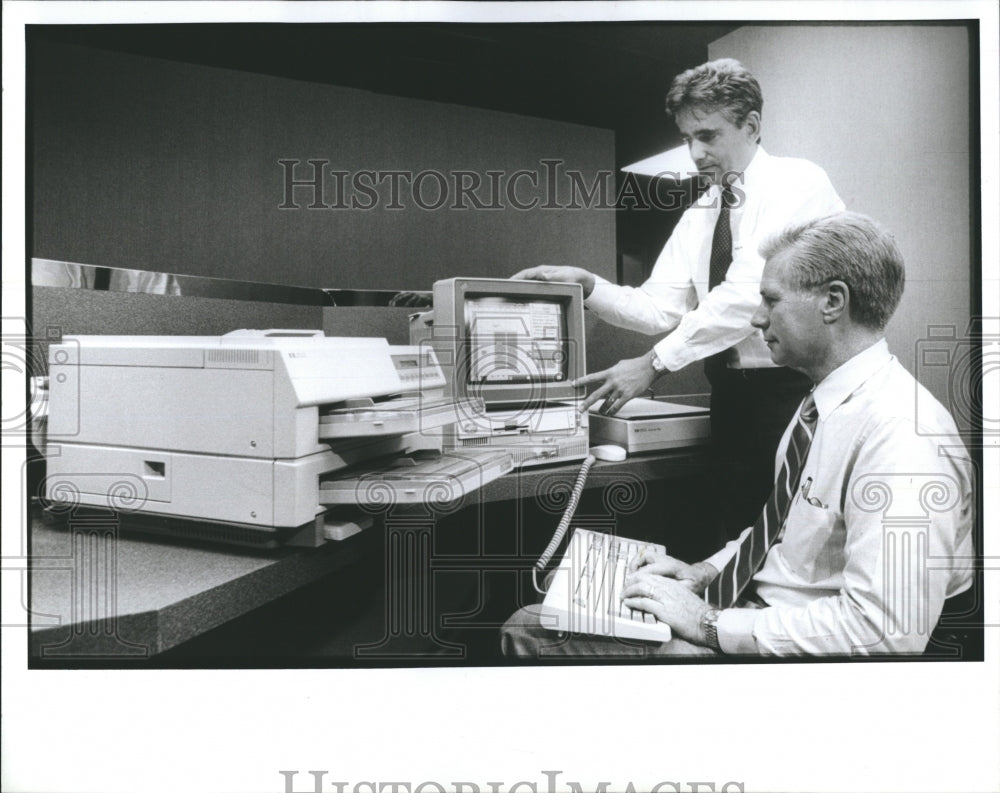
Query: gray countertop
(101, 595)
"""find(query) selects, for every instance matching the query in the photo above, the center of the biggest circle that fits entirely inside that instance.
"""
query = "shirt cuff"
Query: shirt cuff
(735, 631)
(673, 354)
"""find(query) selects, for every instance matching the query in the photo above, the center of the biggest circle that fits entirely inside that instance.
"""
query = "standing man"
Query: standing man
(828, 568)
(704, 286)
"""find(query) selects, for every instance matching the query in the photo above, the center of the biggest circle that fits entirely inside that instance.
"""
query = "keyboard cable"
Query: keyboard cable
(574, 499)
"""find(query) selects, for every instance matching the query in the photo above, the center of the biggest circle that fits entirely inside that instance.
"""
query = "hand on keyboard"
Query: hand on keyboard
(670, 601)
(695, 577)
(585, 593)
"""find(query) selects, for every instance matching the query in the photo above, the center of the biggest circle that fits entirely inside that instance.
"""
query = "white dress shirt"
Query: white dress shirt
(878, 534)
(774, 192)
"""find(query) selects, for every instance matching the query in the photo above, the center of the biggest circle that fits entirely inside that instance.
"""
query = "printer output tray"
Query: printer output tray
(394, 417)
(422, 477)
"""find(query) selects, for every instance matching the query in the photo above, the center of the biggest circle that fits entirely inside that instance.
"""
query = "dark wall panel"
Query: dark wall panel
(160, 165)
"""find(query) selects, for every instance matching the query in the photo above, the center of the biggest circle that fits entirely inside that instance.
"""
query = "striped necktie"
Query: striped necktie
(750, 553)
(722, 243)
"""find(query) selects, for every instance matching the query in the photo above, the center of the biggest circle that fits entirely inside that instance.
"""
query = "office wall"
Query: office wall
(152, 164)
(885, 110)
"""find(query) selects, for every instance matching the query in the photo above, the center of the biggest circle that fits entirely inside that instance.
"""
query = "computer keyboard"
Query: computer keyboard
(585, 595)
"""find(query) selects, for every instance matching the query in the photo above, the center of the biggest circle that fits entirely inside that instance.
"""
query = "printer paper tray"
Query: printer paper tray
(422, 477)
(395, 417)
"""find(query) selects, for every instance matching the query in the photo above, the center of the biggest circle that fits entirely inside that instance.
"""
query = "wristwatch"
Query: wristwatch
(709, 628)
(656, 363)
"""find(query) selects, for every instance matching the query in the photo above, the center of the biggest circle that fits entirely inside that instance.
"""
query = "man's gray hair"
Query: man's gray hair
(847, 247)
(724, 85)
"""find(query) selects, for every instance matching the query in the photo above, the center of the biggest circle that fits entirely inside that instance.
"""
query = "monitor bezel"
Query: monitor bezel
(451, 333)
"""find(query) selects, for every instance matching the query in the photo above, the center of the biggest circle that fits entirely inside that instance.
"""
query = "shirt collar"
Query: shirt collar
(843, 381)
(752, 174)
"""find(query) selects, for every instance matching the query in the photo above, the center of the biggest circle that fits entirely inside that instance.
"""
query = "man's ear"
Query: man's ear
(751, 125)
(836, 301)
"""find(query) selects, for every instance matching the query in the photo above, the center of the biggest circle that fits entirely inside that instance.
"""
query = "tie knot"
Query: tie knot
(808, 411)
(728, 197)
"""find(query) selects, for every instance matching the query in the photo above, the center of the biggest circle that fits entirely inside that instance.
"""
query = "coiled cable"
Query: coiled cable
(574, 499)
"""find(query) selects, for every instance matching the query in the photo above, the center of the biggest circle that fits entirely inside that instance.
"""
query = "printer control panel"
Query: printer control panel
(417, 367)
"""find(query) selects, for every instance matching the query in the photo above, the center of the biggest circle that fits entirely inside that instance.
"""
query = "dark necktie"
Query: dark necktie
(750, 553)
(722, 243)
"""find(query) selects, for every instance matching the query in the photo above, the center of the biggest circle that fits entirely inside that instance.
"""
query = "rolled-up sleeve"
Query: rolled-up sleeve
(662, 301)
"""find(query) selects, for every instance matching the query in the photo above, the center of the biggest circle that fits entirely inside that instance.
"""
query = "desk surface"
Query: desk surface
(98, 595)
(529, 482)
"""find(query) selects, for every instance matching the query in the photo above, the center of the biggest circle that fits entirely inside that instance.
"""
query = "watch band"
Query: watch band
(710, 629)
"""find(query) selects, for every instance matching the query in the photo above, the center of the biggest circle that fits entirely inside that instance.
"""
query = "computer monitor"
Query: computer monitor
(510, 342)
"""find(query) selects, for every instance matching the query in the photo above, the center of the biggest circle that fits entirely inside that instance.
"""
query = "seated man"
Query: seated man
(827, 568)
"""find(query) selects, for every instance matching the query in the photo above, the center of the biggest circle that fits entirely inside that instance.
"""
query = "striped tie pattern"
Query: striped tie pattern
(750, 553)
(722, 243)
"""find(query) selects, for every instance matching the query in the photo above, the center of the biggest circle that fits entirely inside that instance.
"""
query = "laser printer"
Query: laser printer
(232, 437)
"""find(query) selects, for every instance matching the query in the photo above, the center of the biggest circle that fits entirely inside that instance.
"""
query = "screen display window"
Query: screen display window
(515, 340)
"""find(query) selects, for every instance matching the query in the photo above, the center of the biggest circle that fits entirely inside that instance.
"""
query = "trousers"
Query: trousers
(523, 636)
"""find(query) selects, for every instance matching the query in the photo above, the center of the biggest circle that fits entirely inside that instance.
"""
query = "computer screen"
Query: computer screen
(510, 341)
(515, 340)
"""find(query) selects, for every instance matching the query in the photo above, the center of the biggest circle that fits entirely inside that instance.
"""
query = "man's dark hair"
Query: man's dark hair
(724, 85)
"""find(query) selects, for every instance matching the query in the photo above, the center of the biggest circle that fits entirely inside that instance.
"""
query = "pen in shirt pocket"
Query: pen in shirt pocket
(811, 500)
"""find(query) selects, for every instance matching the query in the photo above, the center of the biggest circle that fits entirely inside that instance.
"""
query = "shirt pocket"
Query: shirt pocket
(813, 544)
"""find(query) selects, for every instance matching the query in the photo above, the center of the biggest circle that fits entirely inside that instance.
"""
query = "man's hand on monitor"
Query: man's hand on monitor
(567, 275)
(412, 299)
(623, 381)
